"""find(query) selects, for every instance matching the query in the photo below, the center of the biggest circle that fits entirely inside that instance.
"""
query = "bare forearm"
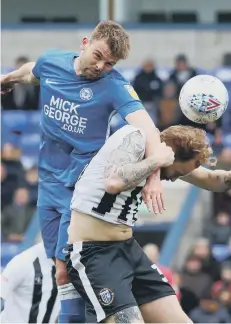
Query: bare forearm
(23, 75)
(213, 180)
(152, 140)
(142, 120)
(222, 180)
(125, 177)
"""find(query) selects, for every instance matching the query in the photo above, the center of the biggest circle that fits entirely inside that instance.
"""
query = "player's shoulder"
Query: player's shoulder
(17, 266)
(127, 130)
(36, 251)
(119, 84)
(115, 76)
(32, 253)
(21, 266)
(56, 54)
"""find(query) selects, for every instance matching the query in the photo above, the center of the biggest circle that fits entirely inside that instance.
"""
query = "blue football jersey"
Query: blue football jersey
(76, 114)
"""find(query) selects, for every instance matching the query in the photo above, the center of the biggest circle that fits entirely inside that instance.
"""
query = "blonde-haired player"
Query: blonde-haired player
(106, 265)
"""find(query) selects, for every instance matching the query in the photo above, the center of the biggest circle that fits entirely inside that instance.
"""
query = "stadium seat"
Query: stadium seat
(184, 17)
(153, 17)
(14, 120)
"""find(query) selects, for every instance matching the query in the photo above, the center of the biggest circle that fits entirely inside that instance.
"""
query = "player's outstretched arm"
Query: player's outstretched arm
(125, 168)
(22, 75)
(212, 180)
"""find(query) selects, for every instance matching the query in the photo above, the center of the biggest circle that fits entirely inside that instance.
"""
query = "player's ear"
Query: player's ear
(84, 42)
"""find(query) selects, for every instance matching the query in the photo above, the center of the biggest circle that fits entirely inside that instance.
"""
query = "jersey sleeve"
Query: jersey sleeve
(11, 276)
(124, 98)
(127, 136)
(38, 68)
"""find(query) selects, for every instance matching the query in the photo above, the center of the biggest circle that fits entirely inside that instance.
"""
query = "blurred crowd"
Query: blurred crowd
(160, 98)
(203, 285)
(18, 185)
(18, 194)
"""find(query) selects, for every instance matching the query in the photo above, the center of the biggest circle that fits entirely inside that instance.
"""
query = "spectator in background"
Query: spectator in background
(210, 266)
(32, 184)
(219, 134)
(224, 299)
(148, 86)
(194, 280)
(12, 175)
(210, 311)
(169, 110)
(222, 201)
(225, 282)
(226, 60)
(226, 136)
(5, 189)
(182, 72)
(23, 96)
(220, 231)
(228, 258)
(152, 252)
(17, 216)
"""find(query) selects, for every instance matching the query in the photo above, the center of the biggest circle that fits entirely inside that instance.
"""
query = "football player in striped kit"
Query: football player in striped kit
(28, 288)
(106, 264)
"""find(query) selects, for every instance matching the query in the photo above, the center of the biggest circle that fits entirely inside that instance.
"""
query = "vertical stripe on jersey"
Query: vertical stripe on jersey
(126, 207)
(52, 299)
(105, 204)
(37, 292)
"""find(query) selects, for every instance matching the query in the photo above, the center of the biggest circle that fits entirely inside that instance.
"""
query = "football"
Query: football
(203, 99)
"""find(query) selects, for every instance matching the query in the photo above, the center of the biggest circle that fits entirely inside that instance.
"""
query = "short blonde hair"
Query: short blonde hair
(188, 142)
(115, 36)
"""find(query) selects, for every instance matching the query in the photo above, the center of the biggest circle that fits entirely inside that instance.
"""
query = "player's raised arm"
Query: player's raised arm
(212, 180)
(125, 166)
(127, 103)
(28, 73)
(142, 120)
(23, 75)
(152, 191)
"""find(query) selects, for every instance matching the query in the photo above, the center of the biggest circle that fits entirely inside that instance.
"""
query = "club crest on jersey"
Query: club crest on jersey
(38, 280)
(86, 94)
(106, 296)
(131, 91)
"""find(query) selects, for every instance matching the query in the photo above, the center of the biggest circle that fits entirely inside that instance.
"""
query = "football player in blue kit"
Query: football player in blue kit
(80, 92)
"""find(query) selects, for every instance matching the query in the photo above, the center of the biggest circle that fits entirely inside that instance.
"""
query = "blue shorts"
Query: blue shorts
(54, 216)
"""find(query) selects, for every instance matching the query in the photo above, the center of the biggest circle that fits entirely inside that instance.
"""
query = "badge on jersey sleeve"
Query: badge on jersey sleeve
(131, 91)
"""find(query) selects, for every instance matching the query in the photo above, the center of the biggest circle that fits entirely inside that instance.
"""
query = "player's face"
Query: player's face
(178, 169)
(95, 58)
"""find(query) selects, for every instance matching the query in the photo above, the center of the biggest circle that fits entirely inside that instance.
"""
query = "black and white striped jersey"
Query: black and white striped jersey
(89, 195)
(29, 289)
